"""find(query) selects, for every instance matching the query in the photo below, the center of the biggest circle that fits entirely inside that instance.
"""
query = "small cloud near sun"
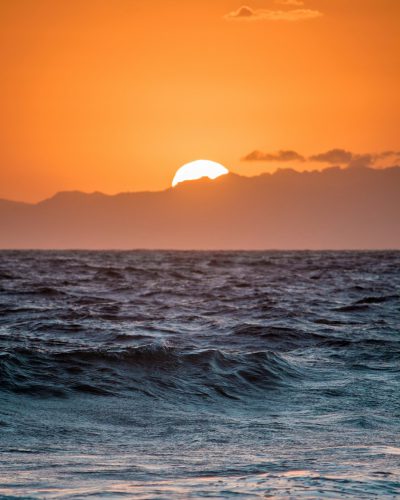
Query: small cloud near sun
(333, 156)
(283, 155)
(246, 13)
(339, 156)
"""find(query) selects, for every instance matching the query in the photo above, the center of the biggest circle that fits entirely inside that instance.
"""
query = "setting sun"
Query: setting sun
(198, 169)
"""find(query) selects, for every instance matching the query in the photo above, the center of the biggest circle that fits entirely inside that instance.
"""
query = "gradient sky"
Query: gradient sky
(116, 95)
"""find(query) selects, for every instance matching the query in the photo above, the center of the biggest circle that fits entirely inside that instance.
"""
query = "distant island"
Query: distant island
(352, 208)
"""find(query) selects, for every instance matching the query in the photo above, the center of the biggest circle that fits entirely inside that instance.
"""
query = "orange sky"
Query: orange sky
(116, 95)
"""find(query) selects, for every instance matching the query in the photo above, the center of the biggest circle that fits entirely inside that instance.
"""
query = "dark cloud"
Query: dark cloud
(363, 161)
(334, 157)
(388, 154)
(248, 14)
(243, 11)
(285, 155)
(354, 160)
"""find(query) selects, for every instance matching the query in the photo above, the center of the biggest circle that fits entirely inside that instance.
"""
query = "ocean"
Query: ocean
(162, 374)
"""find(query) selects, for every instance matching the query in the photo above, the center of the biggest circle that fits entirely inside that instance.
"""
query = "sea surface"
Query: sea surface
(199, 374)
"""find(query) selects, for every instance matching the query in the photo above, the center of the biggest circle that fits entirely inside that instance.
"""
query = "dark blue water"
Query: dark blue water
(196, 374)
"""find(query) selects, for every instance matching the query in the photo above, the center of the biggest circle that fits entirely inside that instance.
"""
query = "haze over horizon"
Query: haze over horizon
(353, 208)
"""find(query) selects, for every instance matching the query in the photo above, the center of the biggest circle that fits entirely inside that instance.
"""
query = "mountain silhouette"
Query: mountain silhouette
(353, 208)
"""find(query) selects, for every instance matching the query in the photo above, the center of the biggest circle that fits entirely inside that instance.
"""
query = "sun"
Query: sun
(198, 169)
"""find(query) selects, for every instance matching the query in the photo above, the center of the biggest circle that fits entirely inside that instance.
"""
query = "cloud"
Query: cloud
(355, 160)
(296, 3)
(246, 13)
(333, 156)
(362, 161)
(242, 12)
(283, 155)
(395, 155)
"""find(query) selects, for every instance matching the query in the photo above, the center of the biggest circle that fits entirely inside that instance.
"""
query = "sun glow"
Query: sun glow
(198, 169)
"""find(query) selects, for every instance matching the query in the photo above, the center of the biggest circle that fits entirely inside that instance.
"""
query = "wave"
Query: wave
(378, 300)
(284, 339)
(154, 370)
(363, 304)
(279, 336)
(44, 291)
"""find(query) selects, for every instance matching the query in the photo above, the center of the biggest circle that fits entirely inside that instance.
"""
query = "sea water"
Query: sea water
(151, 374)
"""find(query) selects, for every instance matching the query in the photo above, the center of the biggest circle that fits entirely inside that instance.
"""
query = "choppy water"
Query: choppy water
(200, 374)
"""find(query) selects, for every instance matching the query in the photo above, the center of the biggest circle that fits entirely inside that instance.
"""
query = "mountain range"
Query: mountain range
(352, 208)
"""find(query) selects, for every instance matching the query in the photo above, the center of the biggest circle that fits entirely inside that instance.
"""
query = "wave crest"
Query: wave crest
(155, 370)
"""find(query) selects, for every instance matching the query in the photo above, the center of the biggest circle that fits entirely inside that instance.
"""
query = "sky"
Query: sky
(116, 95)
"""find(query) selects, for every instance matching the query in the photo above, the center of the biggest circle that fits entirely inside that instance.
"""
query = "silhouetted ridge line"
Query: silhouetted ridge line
(354, 208)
